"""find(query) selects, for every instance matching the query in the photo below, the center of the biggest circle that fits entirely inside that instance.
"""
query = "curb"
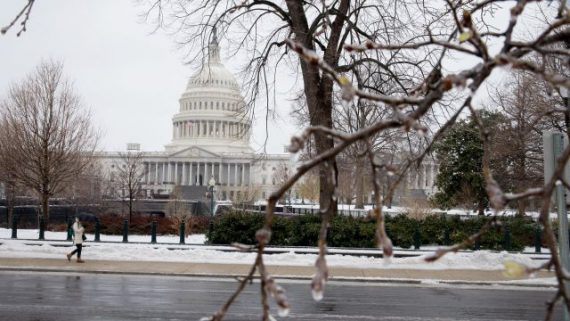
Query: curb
(284, 277)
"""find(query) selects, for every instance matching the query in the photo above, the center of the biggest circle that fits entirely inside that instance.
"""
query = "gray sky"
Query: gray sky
(129, 78)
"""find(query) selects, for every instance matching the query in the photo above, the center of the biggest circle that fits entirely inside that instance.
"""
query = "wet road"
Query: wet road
(60, 297)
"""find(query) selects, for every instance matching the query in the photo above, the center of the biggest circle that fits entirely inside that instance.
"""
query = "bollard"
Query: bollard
(537, 239)
(446, 238)
(182, 228)
(507, 239)
(153, 232)
(42, 227)
(125, 231)
(69, 230)
(97, 231)
(14, 226)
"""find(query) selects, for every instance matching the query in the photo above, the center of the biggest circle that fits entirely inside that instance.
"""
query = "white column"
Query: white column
(236, 175)
(183, 173)
(163, 172)
(145, 166)
(243, 174)
(249, 183)
(229, 167)
(206, 174)
(198, 174)
(207, 129)
(155, 173)
(168, 172)
(175, 173)
(190, 180)
(220, 172)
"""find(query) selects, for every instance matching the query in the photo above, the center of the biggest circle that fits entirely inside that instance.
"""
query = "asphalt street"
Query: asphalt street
(68, 296)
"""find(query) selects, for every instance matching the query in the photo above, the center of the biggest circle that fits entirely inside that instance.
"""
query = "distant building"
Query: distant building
(210, 140)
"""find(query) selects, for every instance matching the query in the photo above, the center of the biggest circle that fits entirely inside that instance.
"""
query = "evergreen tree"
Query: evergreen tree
(460, 180)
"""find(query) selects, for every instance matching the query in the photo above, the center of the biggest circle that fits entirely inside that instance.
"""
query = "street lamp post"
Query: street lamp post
(211, 184)
(561, 200)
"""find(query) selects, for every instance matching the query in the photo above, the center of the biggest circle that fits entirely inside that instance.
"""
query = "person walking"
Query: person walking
(78, 238)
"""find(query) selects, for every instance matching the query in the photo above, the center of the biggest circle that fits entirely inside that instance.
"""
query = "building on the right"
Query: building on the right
(417, 185)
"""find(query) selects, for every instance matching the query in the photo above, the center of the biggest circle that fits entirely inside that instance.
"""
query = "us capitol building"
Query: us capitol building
(210, 143)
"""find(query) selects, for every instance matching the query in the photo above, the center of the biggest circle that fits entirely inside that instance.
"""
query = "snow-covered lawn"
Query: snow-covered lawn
(144, 251)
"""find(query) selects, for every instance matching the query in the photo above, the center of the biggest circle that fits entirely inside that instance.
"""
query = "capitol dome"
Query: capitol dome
(211, 114)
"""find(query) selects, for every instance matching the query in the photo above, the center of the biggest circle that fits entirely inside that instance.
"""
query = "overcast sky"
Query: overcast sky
(129, 78)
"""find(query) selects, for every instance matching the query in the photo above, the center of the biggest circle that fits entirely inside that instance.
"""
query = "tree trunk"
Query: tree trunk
(10, 214)
(481, 208)
(130, 209)
(45, 207)
(318, 92)
(359, 177)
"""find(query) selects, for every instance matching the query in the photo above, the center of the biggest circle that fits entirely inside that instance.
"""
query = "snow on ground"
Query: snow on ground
(33, 234)
(144, 251)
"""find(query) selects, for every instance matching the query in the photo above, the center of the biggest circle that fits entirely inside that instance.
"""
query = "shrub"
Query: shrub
(346, 231)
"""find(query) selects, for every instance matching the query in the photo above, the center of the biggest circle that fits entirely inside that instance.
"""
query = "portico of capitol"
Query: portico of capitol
(210, 143)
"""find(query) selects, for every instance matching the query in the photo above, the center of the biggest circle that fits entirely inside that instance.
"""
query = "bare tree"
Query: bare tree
(308, 187)
(47, 137)
(465, 35)
(262, 29)
(409, 41)
(10, 188)
(246, 196)
(129, 175)
(528, 108)
(179, 210)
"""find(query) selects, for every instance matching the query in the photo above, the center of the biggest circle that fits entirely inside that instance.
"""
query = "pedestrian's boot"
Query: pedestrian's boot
(68, 257)
(80, 261)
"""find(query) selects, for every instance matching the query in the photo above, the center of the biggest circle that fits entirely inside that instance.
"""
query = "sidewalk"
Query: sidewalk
(483, 277)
